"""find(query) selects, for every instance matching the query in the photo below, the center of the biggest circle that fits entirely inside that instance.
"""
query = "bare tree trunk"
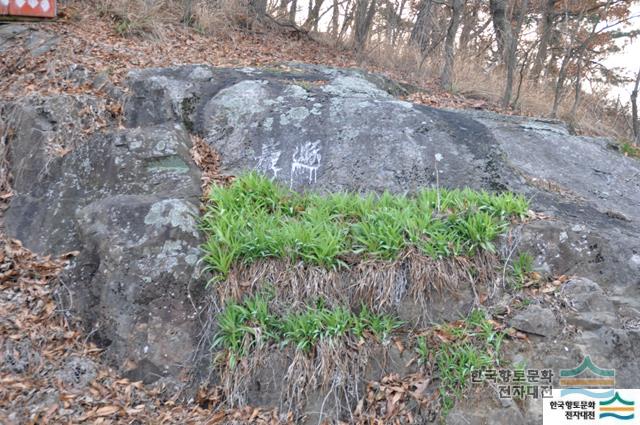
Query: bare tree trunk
(634, 110)
(398, 29)
(523, 71)
(469, 22)
(348, 18)
(365, 10)
(314, 15)
(282, 8)
(578, 90)
(422, 27)
(335, 19)
(293, 10)
(562, 75)
(544, 35)
(501, 25)
(511, 53)
(388, 18)
(572, 50)
(446, 79)
(258, 8)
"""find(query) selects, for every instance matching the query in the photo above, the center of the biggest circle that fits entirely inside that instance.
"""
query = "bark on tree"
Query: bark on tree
(573, 50)
(392, 21)
(577, 90)
(365, 11)
(544, 35)
(501, 25)
(388, 18)
(282, 8)
(634, 110)
(562, 75)
(398, 29)
(258, 8)
(511, 53)
(335, 19)
(293, 10)
(469, 24)
(420, 34)
(446, 79)
(314, 15)
(348, 18)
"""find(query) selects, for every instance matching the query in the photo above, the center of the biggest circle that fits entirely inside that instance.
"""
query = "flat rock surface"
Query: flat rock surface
(536, 320)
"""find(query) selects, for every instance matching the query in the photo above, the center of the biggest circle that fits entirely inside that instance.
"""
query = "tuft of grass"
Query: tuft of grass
(522, 267)
(245, 326)
(464, 347)
(255, 218)
(629, 149)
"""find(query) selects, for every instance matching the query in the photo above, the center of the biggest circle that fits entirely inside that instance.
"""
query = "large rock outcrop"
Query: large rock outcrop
(127, 199)
(128, 202)
(328, 129)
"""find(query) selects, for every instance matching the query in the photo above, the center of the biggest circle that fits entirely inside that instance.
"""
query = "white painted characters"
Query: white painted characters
(268, 159)
(306, 158)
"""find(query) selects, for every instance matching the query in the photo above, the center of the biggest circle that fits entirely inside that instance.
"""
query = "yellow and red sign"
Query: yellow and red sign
(30, 8)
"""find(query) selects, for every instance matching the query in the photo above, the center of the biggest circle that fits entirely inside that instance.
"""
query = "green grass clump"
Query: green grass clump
(255, 218)
(470, 345)
(521, 267)
(245, 326)
(629, 149)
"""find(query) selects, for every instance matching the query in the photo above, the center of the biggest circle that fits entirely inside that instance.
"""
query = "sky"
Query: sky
(629, 59)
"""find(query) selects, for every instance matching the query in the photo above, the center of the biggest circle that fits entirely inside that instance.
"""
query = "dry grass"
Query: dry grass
(222, 18)
(138, 17)
(219, 19)
(334, 372)
(479, 86)
(380, 285)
